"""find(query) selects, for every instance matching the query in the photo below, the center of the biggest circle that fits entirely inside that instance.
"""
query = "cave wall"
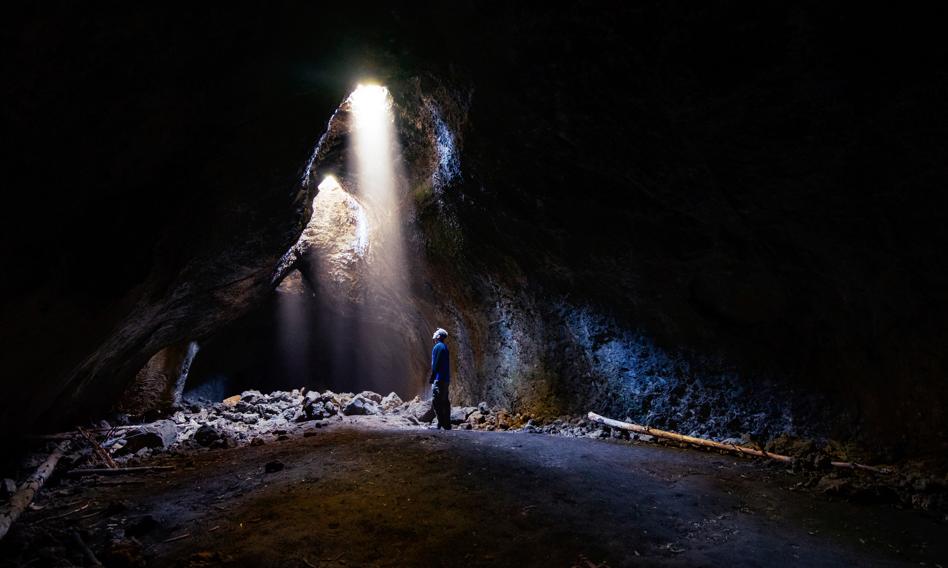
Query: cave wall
(746, 221)
(700, 217)
(157, 387)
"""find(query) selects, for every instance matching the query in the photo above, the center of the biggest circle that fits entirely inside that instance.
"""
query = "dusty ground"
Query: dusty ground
(364, 493)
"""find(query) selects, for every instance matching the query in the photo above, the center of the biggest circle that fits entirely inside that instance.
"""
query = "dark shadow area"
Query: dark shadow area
(291, 341)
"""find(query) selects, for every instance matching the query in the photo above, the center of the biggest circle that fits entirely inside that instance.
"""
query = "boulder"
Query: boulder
(231, 401)
(459, 414)
(207, 435)
(360, 406)
(317, 411)
(251, 396)
(373, 396)
(391, 401)
(280, 396)
(157, 435)
(318, 406)
(418, 409)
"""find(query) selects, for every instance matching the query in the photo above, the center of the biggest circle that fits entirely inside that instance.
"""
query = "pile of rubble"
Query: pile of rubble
(253, 417)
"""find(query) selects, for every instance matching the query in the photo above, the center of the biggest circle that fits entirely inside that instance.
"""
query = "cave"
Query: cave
(689, 260)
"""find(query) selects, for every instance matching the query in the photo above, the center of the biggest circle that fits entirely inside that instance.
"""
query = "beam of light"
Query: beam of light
(292, 328)
(380, 184)
(355, 241)
(374, 137)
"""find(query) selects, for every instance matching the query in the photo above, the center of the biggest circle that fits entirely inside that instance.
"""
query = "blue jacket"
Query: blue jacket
(440, 363)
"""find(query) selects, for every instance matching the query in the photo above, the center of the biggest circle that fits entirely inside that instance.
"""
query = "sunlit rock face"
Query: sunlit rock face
(337, 236)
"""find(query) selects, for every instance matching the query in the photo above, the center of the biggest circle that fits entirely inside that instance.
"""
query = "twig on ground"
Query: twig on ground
(66, 514)
(174, 538)
(98, 450)
(90, 515)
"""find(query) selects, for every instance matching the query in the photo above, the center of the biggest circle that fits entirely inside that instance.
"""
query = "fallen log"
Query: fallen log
(24, 495)
(639, 429)
(119, 470)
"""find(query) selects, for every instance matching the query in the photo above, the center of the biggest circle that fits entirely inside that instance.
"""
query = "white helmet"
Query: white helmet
(439, 333)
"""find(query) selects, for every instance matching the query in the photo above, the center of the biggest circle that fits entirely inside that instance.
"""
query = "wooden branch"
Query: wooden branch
(66, 514)
(686, 439)
(638, 429)
(863, 467)
(24, 495)
(119, 470)
(179, 537)
(99, 451)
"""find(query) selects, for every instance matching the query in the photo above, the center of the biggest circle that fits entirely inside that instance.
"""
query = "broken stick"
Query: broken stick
(98, 450)
(24, 495)
(638, 429)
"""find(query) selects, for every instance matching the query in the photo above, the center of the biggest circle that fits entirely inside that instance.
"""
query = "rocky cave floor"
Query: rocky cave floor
(326, 479)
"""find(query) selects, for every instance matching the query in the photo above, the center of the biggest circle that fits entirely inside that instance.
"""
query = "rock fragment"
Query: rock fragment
(157, 435)
(391, 401)
(360, 406)
(373, 396)
(207, 435)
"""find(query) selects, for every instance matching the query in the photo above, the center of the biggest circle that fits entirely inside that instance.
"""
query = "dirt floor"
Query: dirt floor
(363, 492)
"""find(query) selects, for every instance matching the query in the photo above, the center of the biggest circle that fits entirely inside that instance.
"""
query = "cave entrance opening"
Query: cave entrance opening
(343, 317)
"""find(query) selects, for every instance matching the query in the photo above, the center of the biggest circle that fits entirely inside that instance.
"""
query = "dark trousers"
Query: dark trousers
(440, 404)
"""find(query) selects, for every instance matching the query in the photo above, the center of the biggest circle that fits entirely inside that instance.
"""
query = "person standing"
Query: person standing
(440, 378)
